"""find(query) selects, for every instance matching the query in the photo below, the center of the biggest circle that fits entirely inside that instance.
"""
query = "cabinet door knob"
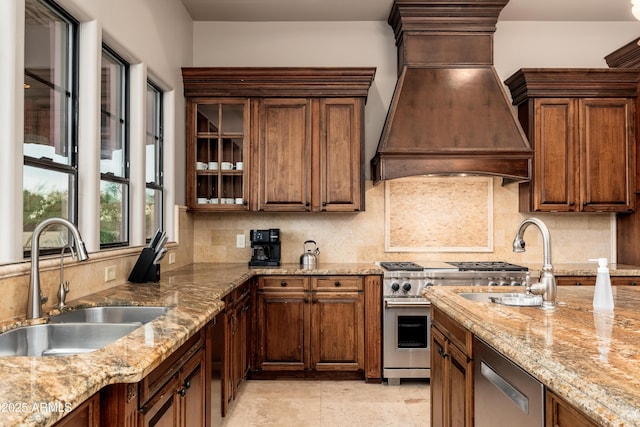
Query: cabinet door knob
(306, 300)
(337, 283)
(634, 284)
(307, 204)
(314, 300)
(571, 203)
(578, 283)
(442, 352)
(283, 283)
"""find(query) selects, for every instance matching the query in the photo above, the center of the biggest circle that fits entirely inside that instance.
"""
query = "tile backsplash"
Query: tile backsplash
(359, 237)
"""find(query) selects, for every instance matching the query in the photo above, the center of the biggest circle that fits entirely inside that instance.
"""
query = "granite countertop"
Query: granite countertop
(591, 361)
(40, 390)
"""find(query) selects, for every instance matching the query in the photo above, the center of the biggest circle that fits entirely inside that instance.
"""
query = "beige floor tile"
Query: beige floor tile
(330, 404)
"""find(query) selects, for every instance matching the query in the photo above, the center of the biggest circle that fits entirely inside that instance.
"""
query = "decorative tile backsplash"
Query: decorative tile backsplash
(439, 215)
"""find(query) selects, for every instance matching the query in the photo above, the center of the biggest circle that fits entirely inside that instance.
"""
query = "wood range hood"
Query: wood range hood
(450, 114)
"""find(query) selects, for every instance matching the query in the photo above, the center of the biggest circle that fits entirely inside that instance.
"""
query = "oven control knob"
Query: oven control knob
(515, 283)
(406, 286)
(426, 285)
(492, 283)
(395, 286)
(504, 283)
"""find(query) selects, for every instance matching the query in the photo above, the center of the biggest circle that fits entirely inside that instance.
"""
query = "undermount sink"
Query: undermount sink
(62, 339)
(505, 298)
(111, 314)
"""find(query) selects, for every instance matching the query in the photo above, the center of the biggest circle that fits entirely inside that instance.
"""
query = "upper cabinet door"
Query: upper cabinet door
(607, 147)
(217, 154)
(341, 172)
(555, 169)
(283, 155)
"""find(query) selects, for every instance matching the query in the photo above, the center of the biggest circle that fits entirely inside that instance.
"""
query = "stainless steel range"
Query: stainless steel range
(407, 314)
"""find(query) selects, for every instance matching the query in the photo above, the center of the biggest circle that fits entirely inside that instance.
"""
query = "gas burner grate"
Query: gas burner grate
(401, 266)
(488, 266)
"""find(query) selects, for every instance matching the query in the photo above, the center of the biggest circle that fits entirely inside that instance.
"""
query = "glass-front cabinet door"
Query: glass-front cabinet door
(218, 161)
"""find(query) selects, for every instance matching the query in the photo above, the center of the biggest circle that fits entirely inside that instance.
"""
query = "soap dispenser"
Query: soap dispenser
(603, 296)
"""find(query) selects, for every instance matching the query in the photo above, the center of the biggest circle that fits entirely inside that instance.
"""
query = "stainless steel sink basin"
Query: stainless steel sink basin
(61, 339)
(110, 314)
(505, 298)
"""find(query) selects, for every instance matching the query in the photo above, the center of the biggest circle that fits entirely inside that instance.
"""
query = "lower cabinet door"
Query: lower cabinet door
(337, 333)
(192, 392)
(282, 322)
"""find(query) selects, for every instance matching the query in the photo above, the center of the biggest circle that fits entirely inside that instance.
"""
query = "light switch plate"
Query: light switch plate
(110, 273)
(240, 241)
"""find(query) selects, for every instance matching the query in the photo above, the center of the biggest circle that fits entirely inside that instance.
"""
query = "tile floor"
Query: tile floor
(330, 404)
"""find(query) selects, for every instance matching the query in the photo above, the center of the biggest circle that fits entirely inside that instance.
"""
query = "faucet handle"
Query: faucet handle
(43, 299)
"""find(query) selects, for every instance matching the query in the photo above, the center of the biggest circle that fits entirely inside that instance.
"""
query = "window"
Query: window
(154, 203)
(50, 108)
(114, 153)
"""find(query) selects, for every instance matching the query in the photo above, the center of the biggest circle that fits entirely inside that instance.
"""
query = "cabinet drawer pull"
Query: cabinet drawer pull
(283, 283)
(337, 283)
(634, 284)
(578, 283)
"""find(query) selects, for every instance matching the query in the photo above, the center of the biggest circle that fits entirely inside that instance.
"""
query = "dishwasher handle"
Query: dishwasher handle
(504, 386)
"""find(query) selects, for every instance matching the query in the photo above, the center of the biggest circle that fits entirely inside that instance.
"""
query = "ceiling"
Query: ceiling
(378, 10)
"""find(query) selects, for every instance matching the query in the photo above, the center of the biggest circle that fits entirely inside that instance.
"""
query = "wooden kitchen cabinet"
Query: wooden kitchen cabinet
(306, 325)
(309, 154)
(85, 415)
(238, 309)
(559, 413)
(298, 131)
(591, 280)
(337, 329)
(451, 372)
(173, 394)
(581, 124)
(218, 164)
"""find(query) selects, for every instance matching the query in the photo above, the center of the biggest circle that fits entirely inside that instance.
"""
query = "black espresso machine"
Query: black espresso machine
(265, 247)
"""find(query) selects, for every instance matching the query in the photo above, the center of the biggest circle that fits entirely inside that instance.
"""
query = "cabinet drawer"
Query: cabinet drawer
(282, 283)
(169, 368)
(337, 284)
(457, 334)
(576, 280)
(625, 280)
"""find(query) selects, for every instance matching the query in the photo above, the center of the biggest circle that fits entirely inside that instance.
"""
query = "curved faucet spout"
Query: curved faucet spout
(35, 298)
(547, 285)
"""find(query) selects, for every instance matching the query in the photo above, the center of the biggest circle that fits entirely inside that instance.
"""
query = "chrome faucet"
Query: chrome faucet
(35, 298)
(547, 284)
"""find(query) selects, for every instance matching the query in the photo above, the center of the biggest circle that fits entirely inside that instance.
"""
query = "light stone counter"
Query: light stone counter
(594, 367)
(32, 389)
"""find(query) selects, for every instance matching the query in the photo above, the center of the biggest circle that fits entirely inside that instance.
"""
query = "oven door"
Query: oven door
(407, 323)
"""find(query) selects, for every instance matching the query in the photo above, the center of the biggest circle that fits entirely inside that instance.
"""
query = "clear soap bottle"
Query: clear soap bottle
(603, 296)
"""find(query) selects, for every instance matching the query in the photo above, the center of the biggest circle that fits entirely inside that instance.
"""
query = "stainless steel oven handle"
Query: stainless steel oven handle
(407, 304)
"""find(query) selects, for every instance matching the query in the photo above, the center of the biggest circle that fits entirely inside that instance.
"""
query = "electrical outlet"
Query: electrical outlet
(240, 242)
(172, 257)
(110, 273)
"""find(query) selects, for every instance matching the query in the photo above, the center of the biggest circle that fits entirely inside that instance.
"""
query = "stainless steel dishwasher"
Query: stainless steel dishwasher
(504, 395)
